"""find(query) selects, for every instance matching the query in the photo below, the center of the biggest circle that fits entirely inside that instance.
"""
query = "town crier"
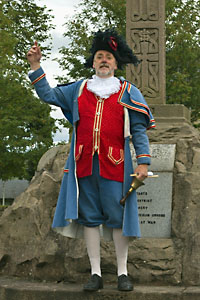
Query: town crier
(106, 113)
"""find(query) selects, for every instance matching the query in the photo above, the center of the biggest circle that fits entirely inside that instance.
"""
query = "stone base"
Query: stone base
(170, 113)
(30, 249)
(15, 289)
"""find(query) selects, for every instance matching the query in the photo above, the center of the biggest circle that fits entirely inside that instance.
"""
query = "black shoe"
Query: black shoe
(94, 284)
(124, 283)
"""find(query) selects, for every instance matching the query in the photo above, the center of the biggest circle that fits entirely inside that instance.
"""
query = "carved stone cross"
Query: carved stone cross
(146, 36)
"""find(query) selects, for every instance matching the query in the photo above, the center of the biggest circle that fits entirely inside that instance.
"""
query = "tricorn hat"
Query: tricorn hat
(111, 41)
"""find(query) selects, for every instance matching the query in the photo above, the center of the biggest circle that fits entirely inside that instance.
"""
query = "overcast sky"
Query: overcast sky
(60, 9)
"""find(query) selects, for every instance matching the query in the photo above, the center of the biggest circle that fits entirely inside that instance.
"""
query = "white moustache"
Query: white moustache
(104, 65)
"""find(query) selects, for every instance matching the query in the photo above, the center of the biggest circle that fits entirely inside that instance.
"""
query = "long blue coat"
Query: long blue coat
(138, 118)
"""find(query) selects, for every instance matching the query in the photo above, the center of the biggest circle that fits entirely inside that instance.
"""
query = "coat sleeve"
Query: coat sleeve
(138, 127)
(62, 96)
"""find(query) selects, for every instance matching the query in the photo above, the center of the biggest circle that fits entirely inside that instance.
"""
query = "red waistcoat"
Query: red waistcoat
(100, 129)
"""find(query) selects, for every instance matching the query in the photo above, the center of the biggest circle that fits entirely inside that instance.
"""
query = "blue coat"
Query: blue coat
(138, 118)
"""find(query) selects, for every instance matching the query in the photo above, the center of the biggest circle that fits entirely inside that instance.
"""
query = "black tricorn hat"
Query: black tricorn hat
(111, 41)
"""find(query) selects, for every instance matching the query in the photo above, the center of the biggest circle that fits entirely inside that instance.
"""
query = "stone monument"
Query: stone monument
(180, 230)
(146, 36)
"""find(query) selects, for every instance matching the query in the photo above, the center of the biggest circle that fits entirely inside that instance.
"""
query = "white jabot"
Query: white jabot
(103, 87)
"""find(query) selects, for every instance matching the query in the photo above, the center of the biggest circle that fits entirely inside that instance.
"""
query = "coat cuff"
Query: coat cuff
(143, 159)
(36, 76)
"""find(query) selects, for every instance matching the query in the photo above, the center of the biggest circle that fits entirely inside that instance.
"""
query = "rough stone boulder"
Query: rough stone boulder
(28, 245)
(30, 248)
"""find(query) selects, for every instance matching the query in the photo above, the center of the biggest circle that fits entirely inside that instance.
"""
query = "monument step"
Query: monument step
(18, 289)
(170, 113)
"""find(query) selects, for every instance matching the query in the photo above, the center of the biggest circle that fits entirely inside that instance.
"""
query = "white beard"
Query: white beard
(103, 87)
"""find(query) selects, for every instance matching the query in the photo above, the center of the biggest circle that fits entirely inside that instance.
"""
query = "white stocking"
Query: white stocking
(121, 248)
(92, 240)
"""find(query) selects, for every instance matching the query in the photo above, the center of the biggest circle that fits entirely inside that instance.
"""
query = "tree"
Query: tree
(91, 16)
(26, 130)
(182, 44)
(26, 127)
(183, 54)
(21, 23)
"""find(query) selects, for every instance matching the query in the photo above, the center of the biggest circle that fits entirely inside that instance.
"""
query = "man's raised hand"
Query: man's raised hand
(34, 55)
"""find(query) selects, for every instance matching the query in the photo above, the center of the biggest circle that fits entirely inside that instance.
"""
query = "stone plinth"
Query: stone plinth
(170, 113)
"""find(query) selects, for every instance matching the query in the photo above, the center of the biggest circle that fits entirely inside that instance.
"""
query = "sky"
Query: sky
(61, 9)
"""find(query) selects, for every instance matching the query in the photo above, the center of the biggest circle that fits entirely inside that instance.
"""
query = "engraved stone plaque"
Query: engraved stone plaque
(162, 157)
(154, 206)
(155, 197)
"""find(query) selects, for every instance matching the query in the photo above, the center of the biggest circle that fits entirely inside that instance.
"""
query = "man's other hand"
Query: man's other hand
(141, 171)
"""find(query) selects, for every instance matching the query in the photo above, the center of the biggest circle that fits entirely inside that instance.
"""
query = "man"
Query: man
(104, 111)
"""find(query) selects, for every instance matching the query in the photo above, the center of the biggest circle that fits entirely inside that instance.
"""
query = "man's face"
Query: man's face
(104, 64)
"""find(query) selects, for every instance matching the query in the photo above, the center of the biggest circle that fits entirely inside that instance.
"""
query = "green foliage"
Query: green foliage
(89, 17)
(182, 45)
(25, 131)
(183, 53)
(21, 23)
(26, 127)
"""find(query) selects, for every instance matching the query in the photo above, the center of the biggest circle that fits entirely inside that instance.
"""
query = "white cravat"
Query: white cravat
(103, 87)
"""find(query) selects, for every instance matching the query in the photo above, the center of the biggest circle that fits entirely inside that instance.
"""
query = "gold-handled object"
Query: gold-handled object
(136, 183)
